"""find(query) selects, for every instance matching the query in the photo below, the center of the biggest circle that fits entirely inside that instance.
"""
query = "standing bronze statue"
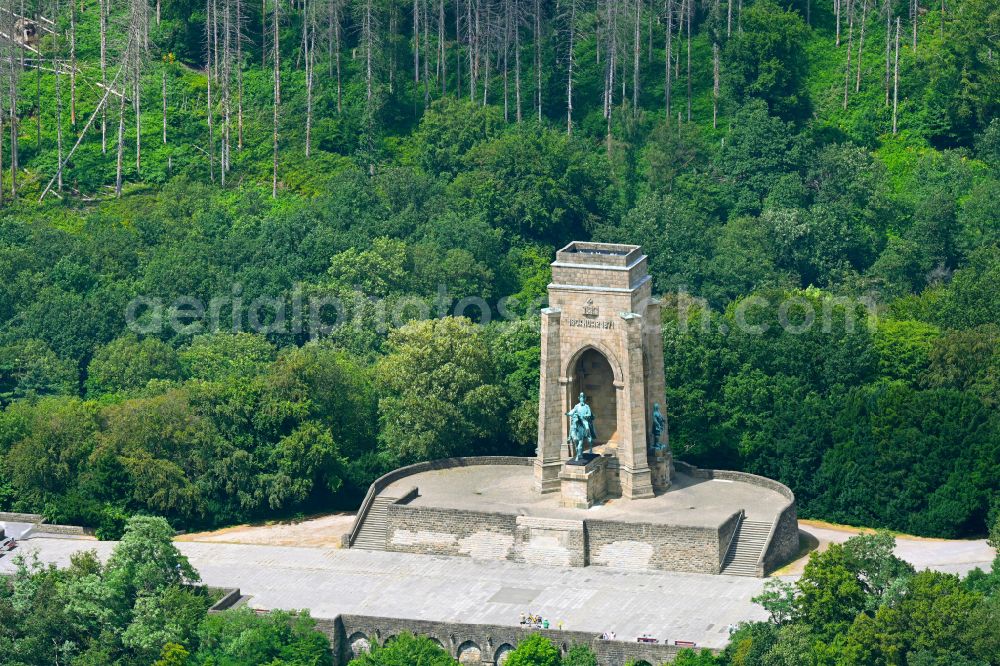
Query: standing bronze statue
(581, 426)
(659, 426)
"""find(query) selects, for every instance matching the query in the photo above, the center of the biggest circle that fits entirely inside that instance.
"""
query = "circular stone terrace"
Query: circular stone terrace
(509, 489)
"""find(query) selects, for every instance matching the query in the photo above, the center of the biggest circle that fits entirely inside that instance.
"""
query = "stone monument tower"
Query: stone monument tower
(601, 338)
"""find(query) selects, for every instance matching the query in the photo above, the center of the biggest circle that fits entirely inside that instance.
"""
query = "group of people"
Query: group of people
(608, 636)
(536, 621)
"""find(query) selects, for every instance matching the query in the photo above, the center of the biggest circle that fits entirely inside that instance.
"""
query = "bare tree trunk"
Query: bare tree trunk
(836, 11)
(850, 47)
(667, 54)
(338, 46)
(861, 43)
(239, 75)
(416, 41)
(916, 15)
(1, 151)
(458, 49)
(569, 77)
(72, 63)
(690, 8)
(427, 83)
(227, 90)
(442, 49)
(137, 106)
(517, 59)
(309, 42)
(472, 48)
(59, 127)
(276, 57)
(16, 67)
(635, 63)
(368, 30)
(121, 145)
(486, 57)
(103, 21)
(506, 58)
(164, 98)
(538, 56)
(895, 82)
(715, 85)
(729, 18)
(210, 110)
(888, 48)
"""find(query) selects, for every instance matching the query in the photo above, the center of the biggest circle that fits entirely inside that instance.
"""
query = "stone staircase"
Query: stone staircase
(745, 548)
(374, 530)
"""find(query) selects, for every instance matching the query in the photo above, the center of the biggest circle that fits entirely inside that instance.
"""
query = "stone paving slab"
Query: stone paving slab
(330, 582)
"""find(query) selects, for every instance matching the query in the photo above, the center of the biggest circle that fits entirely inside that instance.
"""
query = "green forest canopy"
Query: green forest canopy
(414, 162)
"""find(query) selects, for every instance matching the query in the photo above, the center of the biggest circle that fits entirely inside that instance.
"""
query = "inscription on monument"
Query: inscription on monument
(591, 323)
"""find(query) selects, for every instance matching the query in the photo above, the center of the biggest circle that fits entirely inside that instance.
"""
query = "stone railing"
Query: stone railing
(7, 516)
(387, 480)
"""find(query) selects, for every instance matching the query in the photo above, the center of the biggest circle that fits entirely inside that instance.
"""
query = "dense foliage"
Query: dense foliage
(857, 603)
(140, 607)
(228, 392)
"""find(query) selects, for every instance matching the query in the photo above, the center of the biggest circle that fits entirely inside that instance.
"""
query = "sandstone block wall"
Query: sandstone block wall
(646, 546)
(556, 542)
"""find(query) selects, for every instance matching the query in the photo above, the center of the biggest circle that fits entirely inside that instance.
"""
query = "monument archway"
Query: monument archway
(601, 336)
(593, 375)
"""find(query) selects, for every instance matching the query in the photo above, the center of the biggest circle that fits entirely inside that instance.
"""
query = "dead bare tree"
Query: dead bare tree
(690, 13)
(667, 54)
(133, 59)
(861, 44)
(56, 67)
(309, 47)
(209, 76)
(570, 61)
(836, 11)
(442, 62)
(850, 47)
(887, 6)
(715, 85)
(517, 58)
(334, 46)
(102, 10)
(635, 63)
(72, 63)
(895, 82)
(276, 102)
(15, 67)
(239, 74)
(538, 55)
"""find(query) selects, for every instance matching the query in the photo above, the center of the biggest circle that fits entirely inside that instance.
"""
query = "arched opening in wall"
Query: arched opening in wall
(359, 644)
(436, 642)
(470, 654)
(594, 377)
(503, 652)
(388, 640)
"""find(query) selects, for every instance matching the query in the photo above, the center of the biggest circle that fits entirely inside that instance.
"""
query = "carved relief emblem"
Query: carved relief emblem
(589, 309)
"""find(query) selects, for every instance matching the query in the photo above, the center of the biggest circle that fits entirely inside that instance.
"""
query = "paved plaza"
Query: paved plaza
(509, 489)
(331, 582)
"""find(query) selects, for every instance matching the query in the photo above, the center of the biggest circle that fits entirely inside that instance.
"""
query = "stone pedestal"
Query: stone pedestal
(583, 486)
(661, 467)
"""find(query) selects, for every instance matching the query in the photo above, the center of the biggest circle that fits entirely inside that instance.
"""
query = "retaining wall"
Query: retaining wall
(478, 644)
(577, 543)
